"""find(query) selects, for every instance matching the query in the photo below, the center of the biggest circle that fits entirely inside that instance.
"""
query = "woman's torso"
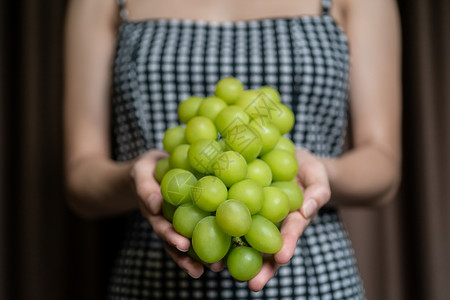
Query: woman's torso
(167, 60)
(160, 62)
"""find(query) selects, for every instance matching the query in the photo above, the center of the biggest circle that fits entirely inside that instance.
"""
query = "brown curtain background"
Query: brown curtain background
(46, 252)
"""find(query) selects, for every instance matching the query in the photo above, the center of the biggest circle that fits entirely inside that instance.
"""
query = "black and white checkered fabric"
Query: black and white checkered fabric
(161, 62)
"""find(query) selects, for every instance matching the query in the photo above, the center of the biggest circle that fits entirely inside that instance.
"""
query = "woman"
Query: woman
(157, 53)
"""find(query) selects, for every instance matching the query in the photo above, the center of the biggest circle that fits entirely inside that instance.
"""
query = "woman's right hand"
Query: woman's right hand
(150, 204)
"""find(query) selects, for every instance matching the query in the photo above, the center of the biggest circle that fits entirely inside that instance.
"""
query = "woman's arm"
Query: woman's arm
(97, 186)
(369, 174)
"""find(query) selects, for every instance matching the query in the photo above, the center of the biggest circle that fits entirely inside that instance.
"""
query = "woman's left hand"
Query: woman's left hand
(312, 178)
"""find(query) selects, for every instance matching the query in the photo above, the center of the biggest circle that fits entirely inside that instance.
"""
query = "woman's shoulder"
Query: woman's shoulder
(351, 13)
(97, 11)
(348, 7)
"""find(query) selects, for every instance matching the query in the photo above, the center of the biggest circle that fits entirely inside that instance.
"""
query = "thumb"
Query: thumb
(291, 230)
(154, 203)
(147, 188)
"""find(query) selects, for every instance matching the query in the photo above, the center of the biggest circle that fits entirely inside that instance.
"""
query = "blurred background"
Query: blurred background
(46, 252)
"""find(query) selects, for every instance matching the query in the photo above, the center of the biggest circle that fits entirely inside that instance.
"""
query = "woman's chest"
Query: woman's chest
(181, 58)
(160, 63)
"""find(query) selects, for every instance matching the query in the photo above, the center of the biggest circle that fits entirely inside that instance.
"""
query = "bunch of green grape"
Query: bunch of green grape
(230, 178)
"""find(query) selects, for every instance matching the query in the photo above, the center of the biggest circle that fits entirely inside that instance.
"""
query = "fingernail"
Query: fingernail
(195, 277)
(153, 204)
(182, 250)
(309, 208)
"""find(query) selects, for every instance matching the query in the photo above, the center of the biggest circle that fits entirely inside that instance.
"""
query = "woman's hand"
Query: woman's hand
(150, 204)
(312, 178)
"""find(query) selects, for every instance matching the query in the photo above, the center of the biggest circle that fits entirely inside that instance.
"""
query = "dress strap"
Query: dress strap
(123, 12)
(326, 5)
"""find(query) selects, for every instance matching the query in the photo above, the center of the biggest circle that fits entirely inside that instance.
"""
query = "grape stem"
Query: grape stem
(239, 242)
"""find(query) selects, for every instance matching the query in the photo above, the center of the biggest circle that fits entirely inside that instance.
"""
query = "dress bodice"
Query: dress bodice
(161, 62)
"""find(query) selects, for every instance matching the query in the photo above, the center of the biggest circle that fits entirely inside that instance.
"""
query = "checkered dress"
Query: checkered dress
(159, 63)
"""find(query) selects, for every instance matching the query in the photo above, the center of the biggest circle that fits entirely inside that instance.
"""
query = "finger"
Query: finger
(316, 196)
(217, 266)
(158, 154)
(313, 177)
(149, 192)
(164, 229)
(146, 162)
(291, 230)
(154, 203)
(312, 172)
(268, 270)
(147, 187)
(299, 182)
(192, 267)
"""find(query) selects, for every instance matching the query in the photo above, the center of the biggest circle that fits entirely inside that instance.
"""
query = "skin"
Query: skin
(366, 175)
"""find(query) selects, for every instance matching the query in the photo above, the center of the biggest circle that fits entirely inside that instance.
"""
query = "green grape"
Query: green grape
(244, 263)
(177, 185)
(230, 167)
(264, 236)
(282, 163)
(209, 242)
(209, 192)
(161, 168)
(260, 172)
(186, 217)
(248, 192)
(247, 99)
(245, 140)
(200, 128)
(284, 118)
(229, 89)
(233, 217)
(270, 93)
(188, 108)
(285, 144)
(292, 191)
(211, 107)
(202, 155)
(262, 107)
(222, 144)
(230, 117)
(173, 137)
(168, 210)
(191, 253)
(179, 158)
(269, 133)
(275, 205)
